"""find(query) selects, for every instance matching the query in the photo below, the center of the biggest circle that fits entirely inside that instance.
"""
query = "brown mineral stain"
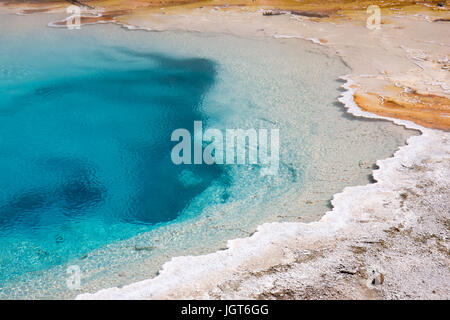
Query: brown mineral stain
(337, 9)
(38, 10)
(428, 110)
(108, 16)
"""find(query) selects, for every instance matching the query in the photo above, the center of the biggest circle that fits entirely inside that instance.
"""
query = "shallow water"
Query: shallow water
(85, 156)
(86, 177)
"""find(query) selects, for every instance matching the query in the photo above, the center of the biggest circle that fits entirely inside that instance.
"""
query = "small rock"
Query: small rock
(352, 272)
(272, 13)
(147, 248)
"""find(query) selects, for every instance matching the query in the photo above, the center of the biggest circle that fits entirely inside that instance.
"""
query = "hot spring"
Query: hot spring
(86, 175)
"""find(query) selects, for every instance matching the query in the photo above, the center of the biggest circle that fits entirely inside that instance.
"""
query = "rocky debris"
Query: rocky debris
(143, 248)
(273, 12)
(309, 14)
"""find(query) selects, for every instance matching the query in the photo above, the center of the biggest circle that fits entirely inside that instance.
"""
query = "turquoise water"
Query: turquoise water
(85, 146)
(86, 177)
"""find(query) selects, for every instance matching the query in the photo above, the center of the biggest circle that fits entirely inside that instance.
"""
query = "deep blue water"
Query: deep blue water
(85, 146)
